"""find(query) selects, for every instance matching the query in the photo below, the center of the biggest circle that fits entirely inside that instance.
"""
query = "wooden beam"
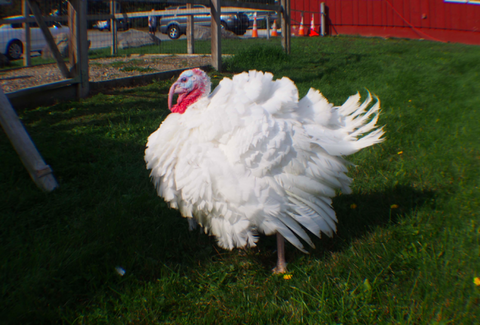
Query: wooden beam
(190, 32)
(286, 29)
(40, 172)
(82, 49)
(113, 28)
(49, 38)
(72, 44)
(215, 11)
(256, 6)
(78, 45)
(322, 19)
(33, 91)
(27, 61)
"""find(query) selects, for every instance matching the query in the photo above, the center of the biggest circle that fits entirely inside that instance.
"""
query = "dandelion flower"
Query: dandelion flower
(394, 206)
(289, 276)
(476, 280)
(353, 206)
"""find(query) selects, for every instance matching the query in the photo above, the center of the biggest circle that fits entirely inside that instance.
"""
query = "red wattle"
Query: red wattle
(185, 101)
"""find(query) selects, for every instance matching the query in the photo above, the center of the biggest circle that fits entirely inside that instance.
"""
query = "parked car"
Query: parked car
(12, 37)
(176, 26)
(105, 25)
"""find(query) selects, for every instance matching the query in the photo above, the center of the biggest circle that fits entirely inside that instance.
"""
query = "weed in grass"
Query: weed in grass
(406, 254)
(139, 69)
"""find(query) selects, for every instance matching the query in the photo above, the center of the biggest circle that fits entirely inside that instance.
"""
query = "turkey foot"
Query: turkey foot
(281, 264)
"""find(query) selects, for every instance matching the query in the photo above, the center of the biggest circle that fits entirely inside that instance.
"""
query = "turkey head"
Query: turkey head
(190, 87)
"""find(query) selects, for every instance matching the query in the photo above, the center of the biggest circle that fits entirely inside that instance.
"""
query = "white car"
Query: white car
(12, 37)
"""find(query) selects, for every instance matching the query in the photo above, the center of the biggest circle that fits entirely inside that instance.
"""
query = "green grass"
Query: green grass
(229, 46)
(408, 242)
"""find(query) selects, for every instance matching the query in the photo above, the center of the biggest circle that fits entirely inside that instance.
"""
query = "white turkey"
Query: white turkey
(251, 158)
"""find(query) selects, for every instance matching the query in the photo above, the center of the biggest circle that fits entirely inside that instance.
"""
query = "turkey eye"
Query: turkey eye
(183, 79)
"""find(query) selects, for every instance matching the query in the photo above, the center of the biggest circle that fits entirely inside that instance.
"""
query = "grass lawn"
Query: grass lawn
(408, 243)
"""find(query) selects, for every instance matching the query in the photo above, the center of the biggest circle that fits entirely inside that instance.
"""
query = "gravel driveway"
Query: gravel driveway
(101, 69)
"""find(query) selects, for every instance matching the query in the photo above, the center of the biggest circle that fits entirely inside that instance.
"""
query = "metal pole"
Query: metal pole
(322, 19)
(190, 32)
(267, 19)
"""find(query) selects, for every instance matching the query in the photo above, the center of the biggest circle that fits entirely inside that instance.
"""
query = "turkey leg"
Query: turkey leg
(281, 264)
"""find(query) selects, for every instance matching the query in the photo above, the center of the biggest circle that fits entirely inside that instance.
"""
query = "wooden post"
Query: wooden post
(72, 44)
(40, 172)
(27, 61)
(286, 30)
(322, 19)
(113, 27)
(215, 10)
(190, 32)
(49, 38)
(77, 18)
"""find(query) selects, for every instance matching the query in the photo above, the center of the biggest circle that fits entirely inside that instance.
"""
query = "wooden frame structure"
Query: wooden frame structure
(77, 70)
(76, 73)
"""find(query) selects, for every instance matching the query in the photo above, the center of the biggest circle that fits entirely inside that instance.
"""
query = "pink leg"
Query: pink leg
(281, 264)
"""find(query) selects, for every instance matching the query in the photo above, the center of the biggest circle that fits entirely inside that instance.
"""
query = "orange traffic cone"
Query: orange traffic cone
(312, 31)
(274, 32)
(301, 31)
(254, 31)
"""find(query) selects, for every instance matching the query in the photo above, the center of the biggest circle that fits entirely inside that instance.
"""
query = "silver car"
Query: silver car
(12, 37)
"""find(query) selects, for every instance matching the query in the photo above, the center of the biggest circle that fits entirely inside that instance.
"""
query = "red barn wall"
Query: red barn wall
(421, 19)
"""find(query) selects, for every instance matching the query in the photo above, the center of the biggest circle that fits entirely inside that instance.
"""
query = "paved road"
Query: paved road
(103, 39)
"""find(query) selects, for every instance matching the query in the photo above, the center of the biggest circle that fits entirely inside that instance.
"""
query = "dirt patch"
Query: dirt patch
(101, 69)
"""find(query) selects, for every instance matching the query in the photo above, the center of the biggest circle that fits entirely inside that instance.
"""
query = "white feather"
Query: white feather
(251, 157)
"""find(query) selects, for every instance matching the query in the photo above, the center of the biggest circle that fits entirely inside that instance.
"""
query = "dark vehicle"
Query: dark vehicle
(96, 7)
(176, 26)
(262, 17)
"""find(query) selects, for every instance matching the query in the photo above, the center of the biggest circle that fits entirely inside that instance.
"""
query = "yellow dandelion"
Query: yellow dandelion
(399, 153)
(476, 280)
(394, 206)
(353, 206)
(287, 276)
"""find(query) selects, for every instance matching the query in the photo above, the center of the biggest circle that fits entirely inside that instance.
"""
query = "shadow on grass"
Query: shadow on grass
(358, 215)
(61, 250)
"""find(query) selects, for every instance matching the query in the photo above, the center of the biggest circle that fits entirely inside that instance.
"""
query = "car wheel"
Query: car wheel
(15, 50)
(240, 31)
(173, 32)
(224, 25)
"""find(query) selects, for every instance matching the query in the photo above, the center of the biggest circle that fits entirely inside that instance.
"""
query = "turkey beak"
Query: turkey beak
(175, 89)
